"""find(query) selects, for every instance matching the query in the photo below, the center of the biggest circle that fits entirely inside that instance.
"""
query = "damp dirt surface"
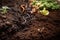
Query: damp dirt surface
(20, 24)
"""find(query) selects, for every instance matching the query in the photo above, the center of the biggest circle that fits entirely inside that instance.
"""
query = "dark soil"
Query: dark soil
(20, 24)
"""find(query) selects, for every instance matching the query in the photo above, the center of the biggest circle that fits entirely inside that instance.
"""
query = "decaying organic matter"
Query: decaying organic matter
(20, 23)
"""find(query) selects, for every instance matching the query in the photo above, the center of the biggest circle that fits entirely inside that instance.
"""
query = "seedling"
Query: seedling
(4, 9)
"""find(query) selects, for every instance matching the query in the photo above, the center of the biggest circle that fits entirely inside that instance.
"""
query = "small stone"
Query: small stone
(8, 22)
(41, 29)
(4, 16)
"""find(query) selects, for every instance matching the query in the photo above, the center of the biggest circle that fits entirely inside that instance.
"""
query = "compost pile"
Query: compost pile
(20, 24)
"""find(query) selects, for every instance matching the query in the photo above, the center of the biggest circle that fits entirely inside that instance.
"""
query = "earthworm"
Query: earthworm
(24, 20)
(27, 16)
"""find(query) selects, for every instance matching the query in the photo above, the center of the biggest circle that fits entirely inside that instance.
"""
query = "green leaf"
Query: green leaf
(50, 4)
(44, 12)
(4, 9)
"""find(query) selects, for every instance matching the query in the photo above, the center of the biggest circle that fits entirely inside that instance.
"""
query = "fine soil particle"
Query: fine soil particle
(19, 24)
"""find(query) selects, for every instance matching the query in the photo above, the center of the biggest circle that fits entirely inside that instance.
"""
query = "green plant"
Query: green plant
(44, 11)
(4, 9)
(47, 4)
